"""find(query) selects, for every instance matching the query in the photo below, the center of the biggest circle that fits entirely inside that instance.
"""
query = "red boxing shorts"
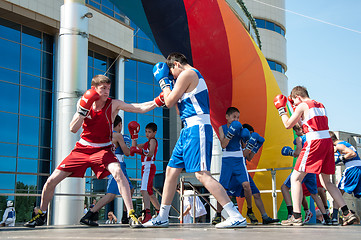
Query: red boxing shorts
(83, 157)
(316, 156)
(148, 173)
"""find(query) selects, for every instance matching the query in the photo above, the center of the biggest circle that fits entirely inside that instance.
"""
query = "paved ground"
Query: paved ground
(187, 231)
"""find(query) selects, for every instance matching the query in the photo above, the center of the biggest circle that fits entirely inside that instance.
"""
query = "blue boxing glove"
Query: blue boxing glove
(287, 151)
(339, 159)
(245, 135)
(161, 74)
(252, 141)
(233, 129)
(258, 145)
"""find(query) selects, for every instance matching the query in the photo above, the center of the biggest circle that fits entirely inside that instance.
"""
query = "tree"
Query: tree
(24, 204)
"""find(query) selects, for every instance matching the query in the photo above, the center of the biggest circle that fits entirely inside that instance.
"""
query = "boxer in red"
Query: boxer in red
(316, 155)
(95, 114)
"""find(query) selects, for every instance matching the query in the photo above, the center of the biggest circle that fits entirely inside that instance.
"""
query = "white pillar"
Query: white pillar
(71, 82)
(215, 166)
(119, 94)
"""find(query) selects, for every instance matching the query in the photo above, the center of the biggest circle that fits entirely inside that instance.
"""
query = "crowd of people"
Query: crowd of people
(102, 147)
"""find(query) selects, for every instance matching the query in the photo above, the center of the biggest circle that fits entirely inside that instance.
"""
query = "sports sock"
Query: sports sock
(344, 210)
(335, 213)
(297, 215)
(249, 210)
(231, 210)
(264, 216)
(290, 210)
(164, 212)
(218, 214)
(325, 216)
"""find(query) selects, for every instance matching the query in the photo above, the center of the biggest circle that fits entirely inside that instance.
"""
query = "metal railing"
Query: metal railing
(273, 191)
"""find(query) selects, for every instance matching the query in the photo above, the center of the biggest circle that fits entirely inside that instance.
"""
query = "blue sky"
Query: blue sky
(327, 59)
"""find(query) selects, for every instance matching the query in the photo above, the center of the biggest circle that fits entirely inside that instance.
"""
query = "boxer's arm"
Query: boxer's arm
(224, 141)
(298, 147)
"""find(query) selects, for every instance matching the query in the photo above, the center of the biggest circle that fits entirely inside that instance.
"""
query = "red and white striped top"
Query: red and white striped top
(146, 149)
(317, 118)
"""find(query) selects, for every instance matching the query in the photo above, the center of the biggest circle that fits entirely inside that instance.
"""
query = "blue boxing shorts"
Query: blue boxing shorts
(309, 180)
(236, 189)
(112, 184)
(193, 150)
(351, 181)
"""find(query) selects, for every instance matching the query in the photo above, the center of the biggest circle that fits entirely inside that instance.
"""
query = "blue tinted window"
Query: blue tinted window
(108, 4)
(143, 120)
(30, 60)
(9, 75)
(8, 149)
(7, 164)
(7, 181)
(145, 44)
(130, 70)
(145, 92)
(31, 37)
(278, 67)
(10, 98)
(29, 80)
(159, 122)
(94, 4)
(159, 166)
(29, 180)
(145, 73)
(278, 29)
(27, 165)
(28, 152)
(30, 101)
(128, 117)
(157, 51)
(97, 72)
(9, 30)
(272, 64)
(130, 91)
(132, 173)
(29, 131)
(142, 34)
(8, 127)
(100, 62)
(270, 26)
(48, 43)
(260, 23)
(10, 54)
(160, 149)
(108, 11)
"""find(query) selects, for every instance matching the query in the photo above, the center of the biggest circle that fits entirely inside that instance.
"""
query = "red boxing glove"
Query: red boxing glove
(160, 100)
(292, 102)
(134, 128)
(137, 150)
(86, 101)
(280, 102)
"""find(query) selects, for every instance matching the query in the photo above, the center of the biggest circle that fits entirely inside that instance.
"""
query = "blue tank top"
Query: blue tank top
(128, 142)
(235, 143)
(195, 102)
(346, 161)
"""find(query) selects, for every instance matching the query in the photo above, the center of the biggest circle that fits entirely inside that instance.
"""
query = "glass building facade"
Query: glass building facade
(26, 113)
(26, 78)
